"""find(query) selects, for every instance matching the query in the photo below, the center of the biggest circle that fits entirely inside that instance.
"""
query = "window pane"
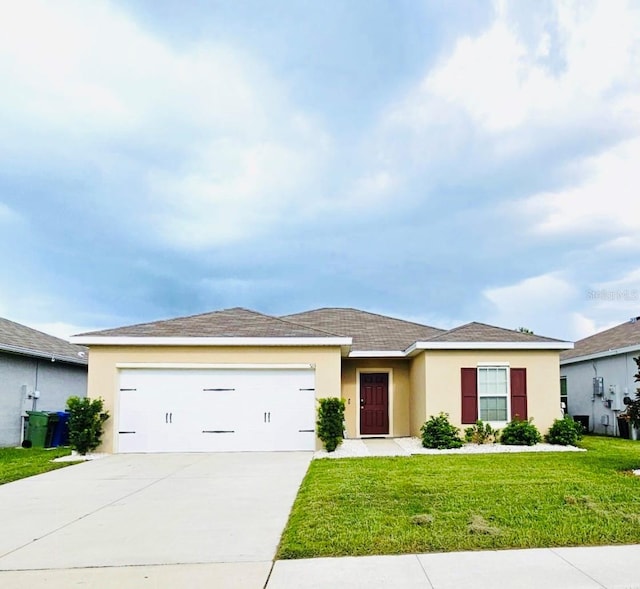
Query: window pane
(493, 408)
(492, 381)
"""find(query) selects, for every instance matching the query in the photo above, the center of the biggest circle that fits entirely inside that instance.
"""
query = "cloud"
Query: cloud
(525, 83)
(533, 303)
(603, 201)
(204, 135)
(558, 305)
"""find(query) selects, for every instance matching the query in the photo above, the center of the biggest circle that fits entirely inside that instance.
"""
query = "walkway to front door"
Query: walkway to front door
(374, 403)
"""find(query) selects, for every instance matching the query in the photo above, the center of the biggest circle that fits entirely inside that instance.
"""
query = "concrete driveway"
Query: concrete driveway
(156, 520)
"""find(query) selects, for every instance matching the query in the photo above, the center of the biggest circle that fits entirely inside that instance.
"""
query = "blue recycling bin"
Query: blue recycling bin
(60, 435)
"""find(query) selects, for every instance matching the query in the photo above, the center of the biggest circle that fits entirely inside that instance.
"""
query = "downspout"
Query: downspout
(593, 401)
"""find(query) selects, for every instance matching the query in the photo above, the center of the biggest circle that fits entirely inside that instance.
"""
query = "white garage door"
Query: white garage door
(216, 410)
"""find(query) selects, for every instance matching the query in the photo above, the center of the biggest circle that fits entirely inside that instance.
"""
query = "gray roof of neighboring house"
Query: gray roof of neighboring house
(20, 339)
(624, 335)
(368, 330)
(481, 332)
(236, 322)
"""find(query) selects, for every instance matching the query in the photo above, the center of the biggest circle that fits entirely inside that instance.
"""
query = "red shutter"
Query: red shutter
(519, 393)
(469, 380)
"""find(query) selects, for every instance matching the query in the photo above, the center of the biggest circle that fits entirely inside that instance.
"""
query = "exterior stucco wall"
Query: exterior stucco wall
(399, 392)
(103, 371)
(418, 398)
(441, 373)
(56, 382)
(616, 370)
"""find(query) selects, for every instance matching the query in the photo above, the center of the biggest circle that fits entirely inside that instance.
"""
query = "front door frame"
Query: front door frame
(374, 370)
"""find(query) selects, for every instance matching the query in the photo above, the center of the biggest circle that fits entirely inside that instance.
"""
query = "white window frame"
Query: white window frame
(495, 365)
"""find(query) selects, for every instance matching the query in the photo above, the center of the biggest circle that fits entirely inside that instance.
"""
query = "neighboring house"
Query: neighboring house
(37, 372)
(598, 374)
(241, 380)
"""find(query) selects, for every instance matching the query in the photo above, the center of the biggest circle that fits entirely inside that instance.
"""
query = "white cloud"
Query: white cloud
(501, 82)
(205, 136)
(534, 303)
(554, 304)
(604, 200)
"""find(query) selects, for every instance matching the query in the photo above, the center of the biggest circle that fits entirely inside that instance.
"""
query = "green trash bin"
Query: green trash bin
(37, 428)
(52, 423)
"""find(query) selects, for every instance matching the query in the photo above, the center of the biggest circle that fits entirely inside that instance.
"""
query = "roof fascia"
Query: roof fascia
(209, 341)
(605, 354)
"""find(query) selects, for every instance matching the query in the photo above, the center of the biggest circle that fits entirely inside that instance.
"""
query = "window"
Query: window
(563, 393)
(493, 392)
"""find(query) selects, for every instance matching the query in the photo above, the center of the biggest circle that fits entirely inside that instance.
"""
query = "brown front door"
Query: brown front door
(374, 404)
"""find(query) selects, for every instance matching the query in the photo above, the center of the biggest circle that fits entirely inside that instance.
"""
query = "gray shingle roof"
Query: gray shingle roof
(621, 336)
(20, 339)
(481, 332)
(236, 322)
(368, 330)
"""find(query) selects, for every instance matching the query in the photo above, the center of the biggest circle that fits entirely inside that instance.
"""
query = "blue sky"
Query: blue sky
(440, 162)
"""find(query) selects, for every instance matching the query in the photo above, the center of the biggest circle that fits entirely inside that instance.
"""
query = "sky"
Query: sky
(441, 162)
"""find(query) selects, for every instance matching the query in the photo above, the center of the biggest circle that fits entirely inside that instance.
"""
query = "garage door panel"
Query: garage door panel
(216, 410)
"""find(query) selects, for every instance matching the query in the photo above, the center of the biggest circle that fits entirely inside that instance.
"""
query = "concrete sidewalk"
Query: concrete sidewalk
(609, 567)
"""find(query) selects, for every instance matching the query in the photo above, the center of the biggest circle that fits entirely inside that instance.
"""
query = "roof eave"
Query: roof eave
(603, 354)
(420, 346)
(377, 354)
(96, 340)
(42, 355)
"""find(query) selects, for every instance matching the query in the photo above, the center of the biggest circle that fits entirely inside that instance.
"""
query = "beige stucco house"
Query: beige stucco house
(238, 380)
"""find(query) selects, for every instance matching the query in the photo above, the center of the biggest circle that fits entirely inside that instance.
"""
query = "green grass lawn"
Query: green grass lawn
(19, 463)
(364, 506)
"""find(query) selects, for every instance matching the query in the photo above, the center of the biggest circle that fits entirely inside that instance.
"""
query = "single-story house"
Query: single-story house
(598, 374)
(240, 380)
(37, 372)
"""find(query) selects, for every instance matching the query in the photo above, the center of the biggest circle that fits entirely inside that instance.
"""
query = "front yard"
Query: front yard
(442, 503)
(18, 463)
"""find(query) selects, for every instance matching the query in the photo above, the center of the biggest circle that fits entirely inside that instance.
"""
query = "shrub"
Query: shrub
(564, 432)
(331, 422)
(520, 432)
(85, 423)
(438, 432)
(481, 433)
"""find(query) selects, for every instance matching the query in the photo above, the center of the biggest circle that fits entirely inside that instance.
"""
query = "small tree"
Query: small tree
(86, 418)
(633, 409)
(330, 422)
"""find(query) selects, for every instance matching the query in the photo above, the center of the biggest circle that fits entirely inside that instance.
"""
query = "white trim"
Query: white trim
(508, 393)
(95, 340)
(374, 370)
(377, 354)
(193, 366)
(487, 346)
(605, 354)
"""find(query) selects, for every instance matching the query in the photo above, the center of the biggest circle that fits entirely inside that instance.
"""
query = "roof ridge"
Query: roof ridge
(368, 313)
(323, 331)
(599, 333)
(489, 325)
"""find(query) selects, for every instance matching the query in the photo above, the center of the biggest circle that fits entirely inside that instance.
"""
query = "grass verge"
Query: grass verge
(19, 463)
(362, 506)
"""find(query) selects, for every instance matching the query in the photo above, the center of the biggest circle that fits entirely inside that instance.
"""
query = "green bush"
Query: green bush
(330, 422)
(481, 433)
(85, 423)
(438, 432)
(564, 432)
(520, 432)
